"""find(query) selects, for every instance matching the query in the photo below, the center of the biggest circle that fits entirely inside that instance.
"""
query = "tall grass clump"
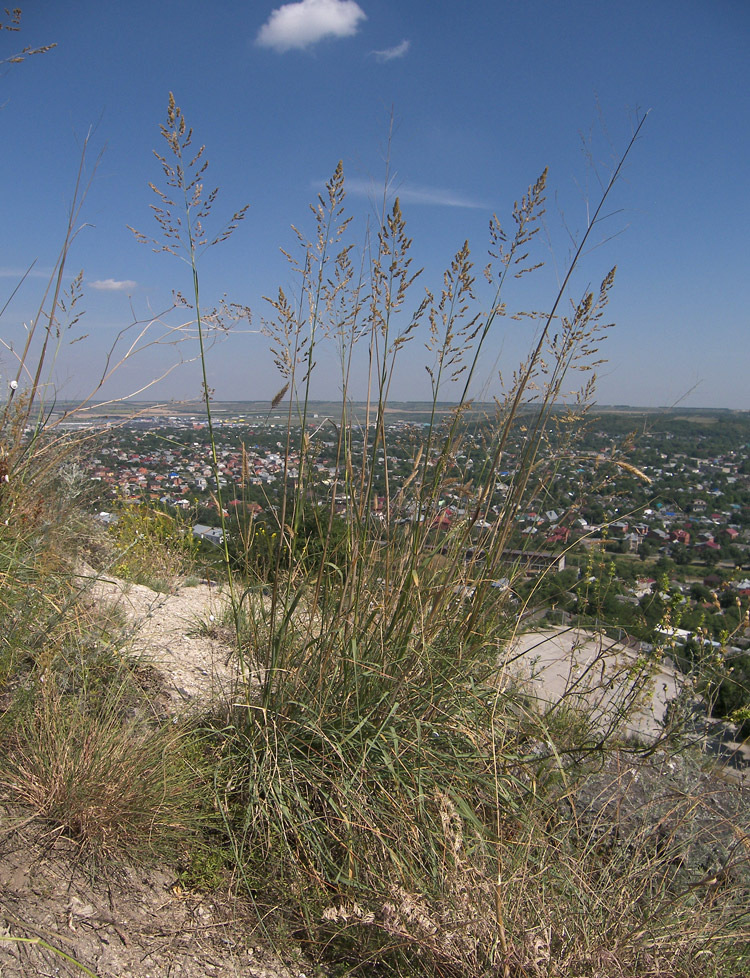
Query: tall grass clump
(386, 786)
(79, 750)
(152, 547)
(182, 213)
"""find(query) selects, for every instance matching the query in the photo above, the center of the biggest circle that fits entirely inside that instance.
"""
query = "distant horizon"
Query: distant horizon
(265, 403)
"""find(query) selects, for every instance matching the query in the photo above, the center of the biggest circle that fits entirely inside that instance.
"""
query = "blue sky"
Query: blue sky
(484, 95)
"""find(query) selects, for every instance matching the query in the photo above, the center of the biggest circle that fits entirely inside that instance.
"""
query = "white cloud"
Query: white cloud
(112, 285)
(412, 193)
(298, 25)
(390, 54)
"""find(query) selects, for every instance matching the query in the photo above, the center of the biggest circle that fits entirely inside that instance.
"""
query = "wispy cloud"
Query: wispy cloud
(298, 25)
(113, 285)
(19, 273)
(390, 54)
(413, 193)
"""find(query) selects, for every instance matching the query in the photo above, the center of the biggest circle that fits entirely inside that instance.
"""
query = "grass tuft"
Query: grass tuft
(118, 786)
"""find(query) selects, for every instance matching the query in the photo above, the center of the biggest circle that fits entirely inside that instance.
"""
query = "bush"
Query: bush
(152, 547)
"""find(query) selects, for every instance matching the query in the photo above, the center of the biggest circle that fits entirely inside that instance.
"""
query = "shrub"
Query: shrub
(152, 547)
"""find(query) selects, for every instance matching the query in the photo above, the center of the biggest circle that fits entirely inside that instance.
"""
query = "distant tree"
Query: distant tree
(680, 554)
(646, 549)
(595, 513)
(626, 571)
(711, 557)
(699, 592)
(665, 565)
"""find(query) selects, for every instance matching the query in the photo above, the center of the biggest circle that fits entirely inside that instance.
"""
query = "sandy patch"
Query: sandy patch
(180, 635)
(619, 688)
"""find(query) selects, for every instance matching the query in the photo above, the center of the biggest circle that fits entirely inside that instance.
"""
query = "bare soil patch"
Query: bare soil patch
(615, 686)
(134, 923)
(181, 636)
